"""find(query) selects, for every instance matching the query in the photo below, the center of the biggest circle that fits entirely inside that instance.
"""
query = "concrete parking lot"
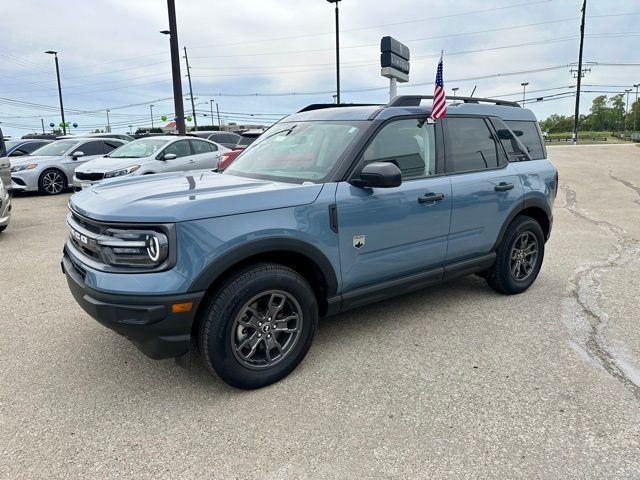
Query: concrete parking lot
(456, 381)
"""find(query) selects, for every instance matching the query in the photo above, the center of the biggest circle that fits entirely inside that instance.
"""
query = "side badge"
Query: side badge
(358, 241)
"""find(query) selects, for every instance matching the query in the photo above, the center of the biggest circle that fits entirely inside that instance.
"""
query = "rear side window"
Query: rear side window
(529, 134)
(409, 144)
(200, 146)
(471, 145)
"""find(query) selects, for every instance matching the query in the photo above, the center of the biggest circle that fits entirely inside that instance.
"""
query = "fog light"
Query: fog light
(182, 307)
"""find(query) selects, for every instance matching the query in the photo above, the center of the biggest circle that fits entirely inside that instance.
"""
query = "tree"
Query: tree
(598, 113)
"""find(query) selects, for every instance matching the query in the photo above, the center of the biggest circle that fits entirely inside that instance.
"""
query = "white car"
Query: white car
(151, 155)
(50, 168)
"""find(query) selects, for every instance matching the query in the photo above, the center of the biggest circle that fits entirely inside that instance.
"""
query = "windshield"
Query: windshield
(305, 151)
(144, 147)
(57, 148)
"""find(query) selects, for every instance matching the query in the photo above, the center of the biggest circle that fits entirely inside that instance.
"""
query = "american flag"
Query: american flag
(439, 108)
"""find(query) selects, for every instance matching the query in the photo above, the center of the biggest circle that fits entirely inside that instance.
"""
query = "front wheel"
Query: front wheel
(259, 326)
(52, 182)
(519, 257)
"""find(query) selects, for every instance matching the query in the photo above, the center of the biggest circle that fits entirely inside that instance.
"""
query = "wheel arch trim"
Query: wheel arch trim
(529, 201)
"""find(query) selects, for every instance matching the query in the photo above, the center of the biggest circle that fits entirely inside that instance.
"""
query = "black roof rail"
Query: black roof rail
(414, 101)
(320, 106)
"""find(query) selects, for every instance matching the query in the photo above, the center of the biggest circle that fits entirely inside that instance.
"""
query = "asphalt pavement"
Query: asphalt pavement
(452, 382)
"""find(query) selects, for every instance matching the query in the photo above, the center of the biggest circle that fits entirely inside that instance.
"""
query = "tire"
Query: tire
(238, 325)
(524, 241)
(52, 182)
(3, 228)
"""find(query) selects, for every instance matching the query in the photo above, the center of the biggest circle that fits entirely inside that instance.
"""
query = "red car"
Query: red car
(246, 139)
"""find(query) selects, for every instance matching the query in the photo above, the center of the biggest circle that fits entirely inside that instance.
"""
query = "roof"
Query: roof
(383, 112)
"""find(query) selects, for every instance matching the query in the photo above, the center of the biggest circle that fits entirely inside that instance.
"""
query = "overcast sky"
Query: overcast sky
(112, 55)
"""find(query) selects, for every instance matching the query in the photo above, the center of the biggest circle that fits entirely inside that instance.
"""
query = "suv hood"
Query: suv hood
(104, 164)
(183, 196)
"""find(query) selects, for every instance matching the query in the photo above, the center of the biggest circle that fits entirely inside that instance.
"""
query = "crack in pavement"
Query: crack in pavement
(628, 184)
(586, 290)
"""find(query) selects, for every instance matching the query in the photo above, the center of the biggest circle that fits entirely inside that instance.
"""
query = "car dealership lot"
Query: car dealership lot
(453, 381)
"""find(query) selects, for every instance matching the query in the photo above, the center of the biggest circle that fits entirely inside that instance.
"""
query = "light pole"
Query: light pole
(337, 51)
(524, 91)
(455, 89)
(151, 109)
(193, 107)
(130, 131)
(108, 124)
(64, 124)
(42, 121)
(175, 66)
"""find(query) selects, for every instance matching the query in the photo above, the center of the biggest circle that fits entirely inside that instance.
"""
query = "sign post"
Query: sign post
(394, 63)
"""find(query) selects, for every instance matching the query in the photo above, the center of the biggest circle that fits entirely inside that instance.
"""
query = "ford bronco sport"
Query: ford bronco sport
(330, 209)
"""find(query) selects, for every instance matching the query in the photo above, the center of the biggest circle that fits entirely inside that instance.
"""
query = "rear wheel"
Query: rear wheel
(259, 326)
(52, 182)
(519, 257)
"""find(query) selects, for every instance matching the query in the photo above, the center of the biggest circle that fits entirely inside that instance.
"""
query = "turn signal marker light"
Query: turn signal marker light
(182, 307)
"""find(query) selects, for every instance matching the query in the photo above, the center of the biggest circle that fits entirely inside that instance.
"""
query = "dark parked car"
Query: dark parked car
(20, 148)
(226, 139)
(246, 139)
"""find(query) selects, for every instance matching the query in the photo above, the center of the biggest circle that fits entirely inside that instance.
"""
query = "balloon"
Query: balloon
(52, 124)
(75, 125)
(61, 125)
(164, 118)
(189, 118)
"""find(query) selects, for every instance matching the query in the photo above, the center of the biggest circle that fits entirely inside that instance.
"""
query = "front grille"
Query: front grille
(91, 177)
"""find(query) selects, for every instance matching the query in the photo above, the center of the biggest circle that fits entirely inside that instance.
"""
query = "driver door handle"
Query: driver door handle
(503, 187)
(431, 197)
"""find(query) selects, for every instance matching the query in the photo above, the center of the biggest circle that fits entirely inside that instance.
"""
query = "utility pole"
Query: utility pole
(524, 91)
(218, 112)
(108, 124)
(175, 66)
(42, 121)
(151, 109)
(193, 107)
(455, 89)
(337, 51)
(577, 110)
(635, 111)
(64, 123)
(626, 109)
(211, 110)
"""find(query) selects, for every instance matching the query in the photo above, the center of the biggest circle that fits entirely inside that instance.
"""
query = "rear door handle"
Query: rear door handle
(503, 187)
(431, 197)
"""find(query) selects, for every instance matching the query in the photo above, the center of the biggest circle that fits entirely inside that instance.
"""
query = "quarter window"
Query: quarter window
(90, 148)
(202, 147)
(471, 145)
(409, 144)
(529, 134)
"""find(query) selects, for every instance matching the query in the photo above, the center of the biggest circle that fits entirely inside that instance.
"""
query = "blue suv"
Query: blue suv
(330, 209)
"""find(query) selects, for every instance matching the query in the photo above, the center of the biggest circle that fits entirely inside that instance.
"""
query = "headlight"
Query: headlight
(124, 171)
(20, 168)
(134, 248)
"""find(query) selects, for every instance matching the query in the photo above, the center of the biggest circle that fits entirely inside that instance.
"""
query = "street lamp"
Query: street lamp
(217, 111)
(151, 109)
(455, 89)
(130, 130)
(64, 124)
(337, 51)
(175, 66)
(524, 91)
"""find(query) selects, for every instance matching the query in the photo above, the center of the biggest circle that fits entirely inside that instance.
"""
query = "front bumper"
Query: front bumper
(80, 184)
(147, 321)
(25, 181)
(5, 208)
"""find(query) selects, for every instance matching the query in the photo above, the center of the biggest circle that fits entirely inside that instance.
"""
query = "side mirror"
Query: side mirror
(77, 155)
(17, 153)
(169, 156)
(379, 175)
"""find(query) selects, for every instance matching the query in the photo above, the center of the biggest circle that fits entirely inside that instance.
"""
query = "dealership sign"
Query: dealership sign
(394, 59)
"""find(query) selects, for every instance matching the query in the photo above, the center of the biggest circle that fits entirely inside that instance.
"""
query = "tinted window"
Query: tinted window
(529, 134)
(202, 147)
(90, 148)
(30, 147)
(471, 145)
(245, 141)
(409, 144)
(180, 149)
